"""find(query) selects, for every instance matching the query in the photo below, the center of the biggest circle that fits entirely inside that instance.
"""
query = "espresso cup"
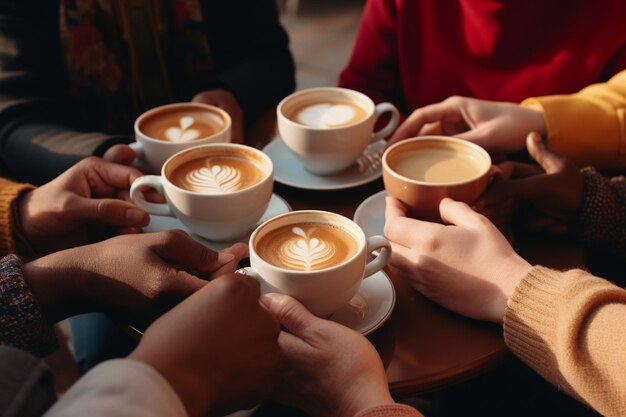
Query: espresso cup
(317, 257)
(422, 171)
(219, 191)
(328, 128)
(163, 131)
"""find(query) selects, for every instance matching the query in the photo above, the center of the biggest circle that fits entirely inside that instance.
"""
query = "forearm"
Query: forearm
(566, 326)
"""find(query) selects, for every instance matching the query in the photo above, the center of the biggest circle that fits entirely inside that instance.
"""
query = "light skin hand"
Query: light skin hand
(226, 101)
(218, 349)
(498, 127)
(466, 265)
(137, 277)
(327, 370)
(72, 209)
(554, 188)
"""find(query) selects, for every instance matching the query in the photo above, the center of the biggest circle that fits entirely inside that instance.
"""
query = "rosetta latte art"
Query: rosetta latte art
(183, 133)
(214, 178)
(305, 253)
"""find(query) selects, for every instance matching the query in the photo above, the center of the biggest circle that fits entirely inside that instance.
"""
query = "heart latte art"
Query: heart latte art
(184, 132)
(181, 124)
(217, 174)
(307, 246)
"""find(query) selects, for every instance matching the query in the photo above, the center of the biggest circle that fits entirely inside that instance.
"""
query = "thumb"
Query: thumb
(549, 161)
(290, 313)
(110, 211)
(460, 214)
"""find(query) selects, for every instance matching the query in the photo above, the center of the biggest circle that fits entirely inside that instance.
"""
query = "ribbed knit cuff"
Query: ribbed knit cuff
(391, 410)
(22, 323)
(11, 240)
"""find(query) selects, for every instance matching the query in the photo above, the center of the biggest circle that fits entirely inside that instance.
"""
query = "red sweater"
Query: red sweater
(417, 52)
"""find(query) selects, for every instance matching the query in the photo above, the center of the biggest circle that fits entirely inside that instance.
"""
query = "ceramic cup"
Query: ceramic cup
(317, 257)
(422, 171)
(328, 128)
(163, 131)
(219, 191)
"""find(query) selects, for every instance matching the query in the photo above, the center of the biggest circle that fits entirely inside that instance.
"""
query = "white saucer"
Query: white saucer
(370, 214)
(370, 307)
(276, 206)
(288, 169)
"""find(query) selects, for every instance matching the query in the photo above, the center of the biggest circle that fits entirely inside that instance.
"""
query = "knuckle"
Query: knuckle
(430, 244)
(173, 237)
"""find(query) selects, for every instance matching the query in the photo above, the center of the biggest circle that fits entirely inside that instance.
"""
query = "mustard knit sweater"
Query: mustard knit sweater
(10, 237)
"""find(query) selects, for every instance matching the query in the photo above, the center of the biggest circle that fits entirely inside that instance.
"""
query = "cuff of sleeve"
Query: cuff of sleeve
(391, 410)
(10, 237)
(22, 323)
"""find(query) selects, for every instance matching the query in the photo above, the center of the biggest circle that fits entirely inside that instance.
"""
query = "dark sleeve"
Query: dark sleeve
(251, 52)
(26, 385)
(39, 134)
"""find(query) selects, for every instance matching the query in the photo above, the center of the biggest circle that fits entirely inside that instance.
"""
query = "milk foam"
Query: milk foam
(326, 115)
(214, 178)
(182, 132)
(305, 253)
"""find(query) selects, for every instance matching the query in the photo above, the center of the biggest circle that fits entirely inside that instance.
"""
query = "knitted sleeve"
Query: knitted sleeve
(10, 236)
(601, 219)
(22, 323)
(395, 410)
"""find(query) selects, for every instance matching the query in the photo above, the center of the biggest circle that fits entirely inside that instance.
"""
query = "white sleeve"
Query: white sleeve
(120, 388)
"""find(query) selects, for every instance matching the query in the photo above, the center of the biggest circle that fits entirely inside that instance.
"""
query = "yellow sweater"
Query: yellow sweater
(10, 236)
(588, 127)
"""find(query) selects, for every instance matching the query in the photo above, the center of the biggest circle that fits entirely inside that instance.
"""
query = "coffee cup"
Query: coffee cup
(219, 191)
(317, 257)
(163, 131)
(422, 171)
(329, 128)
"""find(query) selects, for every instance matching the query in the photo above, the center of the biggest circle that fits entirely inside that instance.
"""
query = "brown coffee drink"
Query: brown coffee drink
(221, 172)
(437, 165)
(307, 246)
(327, 114)
(182, 124)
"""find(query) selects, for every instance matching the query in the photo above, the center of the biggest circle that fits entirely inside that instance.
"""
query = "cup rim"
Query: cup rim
(370, 110)
(362, 247)
(462, 142)
(204, 106)
(268, 161)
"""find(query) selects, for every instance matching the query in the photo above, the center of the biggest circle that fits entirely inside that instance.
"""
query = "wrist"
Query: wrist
(512, 274)
(537, 121)
(364, 397)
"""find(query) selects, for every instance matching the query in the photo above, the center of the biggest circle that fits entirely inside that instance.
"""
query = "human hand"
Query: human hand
(226, 101)
(218, 349)
(496, 126)
(134, 276)
(72, 209)
(120, 154)
(554, 188)
(466, 266)
(327, 370)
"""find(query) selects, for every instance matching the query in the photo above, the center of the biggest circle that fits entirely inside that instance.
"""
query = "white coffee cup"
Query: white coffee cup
(332, 282)
(206, 197)
(329, 128)
(153, 148)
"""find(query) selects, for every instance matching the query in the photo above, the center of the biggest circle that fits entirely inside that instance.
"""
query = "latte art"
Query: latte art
(181, 124)
(183, 133)
(216, 178)
(307, 246)
(328, 114)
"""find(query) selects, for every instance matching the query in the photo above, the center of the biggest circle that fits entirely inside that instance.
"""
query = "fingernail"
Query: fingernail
(134, 215)
(224, 257)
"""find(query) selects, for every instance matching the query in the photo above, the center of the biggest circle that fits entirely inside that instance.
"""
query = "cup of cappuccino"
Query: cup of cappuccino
(219, 191)
(328, 128)
(163, 131)
(317, 257)
(422, 171)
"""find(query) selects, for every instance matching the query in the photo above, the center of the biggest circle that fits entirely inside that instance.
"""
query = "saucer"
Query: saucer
(370, 307)
(276, 206)
(288, 170)
(370, 214)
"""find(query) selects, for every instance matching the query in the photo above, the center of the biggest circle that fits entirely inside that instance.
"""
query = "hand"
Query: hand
(137, 277)
(218, 349)
(72, 209)
(227, 102)
(498, 127)
(554, 189)
(328, 370)
(467, 267)
(120, 154)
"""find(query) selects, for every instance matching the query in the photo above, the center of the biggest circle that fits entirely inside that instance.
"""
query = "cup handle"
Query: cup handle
(249, 272)
(150, 181)
(381, 244)
(382, 108)
(138, 148)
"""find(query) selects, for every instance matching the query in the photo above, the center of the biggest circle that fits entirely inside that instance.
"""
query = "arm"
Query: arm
(373, 67)
(39, 134)
(567, 326)
(588, 127)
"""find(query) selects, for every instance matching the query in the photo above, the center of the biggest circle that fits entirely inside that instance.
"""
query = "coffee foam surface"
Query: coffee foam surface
(328, 114)
(435, 165)
(182, 125)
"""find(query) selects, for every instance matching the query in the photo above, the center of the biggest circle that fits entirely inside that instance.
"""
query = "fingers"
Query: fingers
(239, 252)
(103, 176)
(179, 248)
(401, 229)
(109, 211)
(120, 154)
(414, 123)
(550, 161)
(460, 214)
(290, 313)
